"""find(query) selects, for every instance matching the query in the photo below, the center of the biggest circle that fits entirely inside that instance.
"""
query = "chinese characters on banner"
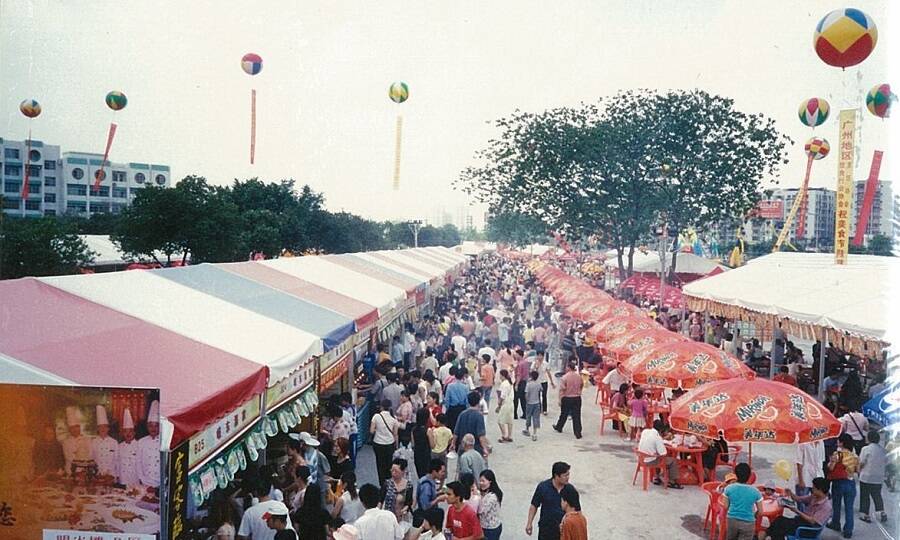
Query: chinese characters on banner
(178, 492)
(216, 436)
(842, 210)
(52, 534)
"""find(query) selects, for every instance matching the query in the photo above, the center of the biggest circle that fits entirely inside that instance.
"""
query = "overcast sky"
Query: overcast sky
(324, 117)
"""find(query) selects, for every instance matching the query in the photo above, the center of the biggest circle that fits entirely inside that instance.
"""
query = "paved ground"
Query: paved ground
(602, 469)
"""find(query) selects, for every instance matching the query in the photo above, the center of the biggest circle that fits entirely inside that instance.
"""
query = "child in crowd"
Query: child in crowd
(638, 420)
(533, 390)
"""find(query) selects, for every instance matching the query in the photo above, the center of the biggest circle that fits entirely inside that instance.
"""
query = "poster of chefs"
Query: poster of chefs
(79, 459)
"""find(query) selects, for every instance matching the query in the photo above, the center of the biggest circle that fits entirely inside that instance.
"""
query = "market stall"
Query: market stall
(811, 296)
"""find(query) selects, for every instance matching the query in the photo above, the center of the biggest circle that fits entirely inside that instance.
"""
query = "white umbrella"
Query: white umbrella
(498, 313)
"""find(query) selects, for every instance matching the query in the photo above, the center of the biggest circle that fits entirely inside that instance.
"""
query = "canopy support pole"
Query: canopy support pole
(821, 373)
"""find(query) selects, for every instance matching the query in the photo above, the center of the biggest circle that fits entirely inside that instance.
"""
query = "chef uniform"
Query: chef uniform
(128, 455)
(148, 452)
(75, 448)
(104, 450)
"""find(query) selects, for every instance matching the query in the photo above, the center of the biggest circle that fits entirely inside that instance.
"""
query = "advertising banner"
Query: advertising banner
(770, 209)
(178, 492)
(844, 202)
(78, 460)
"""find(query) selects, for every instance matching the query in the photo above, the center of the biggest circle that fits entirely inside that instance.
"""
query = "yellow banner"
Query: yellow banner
(842, 211)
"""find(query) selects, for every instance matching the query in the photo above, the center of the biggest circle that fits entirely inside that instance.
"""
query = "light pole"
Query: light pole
(414, 226)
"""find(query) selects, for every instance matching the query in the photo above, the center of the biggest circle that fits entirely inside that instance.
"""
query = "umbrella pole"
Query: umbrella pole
(750, 455)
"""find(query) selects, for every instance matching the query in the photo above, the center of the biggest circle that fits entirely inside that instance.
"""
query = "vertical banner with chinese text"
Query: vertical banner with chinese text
(178, 492)
(842, 207)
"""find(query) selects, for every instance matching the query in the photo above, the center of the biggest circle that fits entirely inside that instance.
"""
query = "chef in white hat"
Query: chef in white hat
(148, 450)
(104, 449)
(76, 447)
(128, 453)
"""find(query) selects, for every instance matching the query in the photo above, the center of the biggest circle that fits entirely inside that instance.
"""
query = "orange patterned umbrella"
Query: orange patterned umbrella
(627, 344)
(757, 410)
(613, 327)
(685, 363)
(588, 305)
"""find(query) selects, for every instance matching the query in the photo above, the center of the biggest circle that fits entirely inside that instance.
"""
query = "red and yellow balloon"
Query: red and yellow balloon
(845, 37)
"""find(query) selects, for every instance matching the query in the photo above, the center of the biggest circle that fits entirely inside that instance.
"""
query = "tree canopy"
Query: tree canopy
(618, 168)
(40, 247)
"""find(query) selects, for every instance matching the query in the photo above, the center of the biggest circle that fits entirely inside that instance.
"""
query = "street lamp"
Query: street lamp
(414, 226)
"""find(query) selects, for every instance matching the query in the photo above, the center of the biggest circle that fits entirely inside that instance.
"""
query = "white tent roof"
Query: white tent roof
(318, 271)
(809, 288)
(441, 253)
(406, 270)
(468, 247)
(433, 270)
(686, 263)
(107, 252)
(197, 316)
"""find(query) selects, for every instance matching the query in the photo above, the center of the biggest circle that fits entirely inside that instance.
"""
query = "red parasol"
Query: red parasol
(627, 344)
(757, 410)
(684, 364)
(612, 327)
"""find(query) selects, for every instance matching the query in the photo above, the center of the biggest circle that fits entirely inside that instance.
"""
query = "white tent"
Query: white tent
(328, 275)
(808, 291)
(107, 253)
(686, 263)
(177, 308)
(468, 247)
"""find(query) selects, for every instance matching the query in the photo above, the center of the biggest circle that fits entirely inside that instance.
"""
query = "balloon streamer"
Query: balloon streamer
(397, 144)
(868, 198)
(109, 140)
(804, 201)
(27, 160)
(252, 126)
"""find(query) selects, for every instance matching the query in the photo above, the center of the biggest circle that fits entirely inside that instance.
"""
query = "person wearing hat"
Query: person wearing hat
(255, 523)
(127, 453)
(104, 449)
(318, 464)
(277, 519)
(347, 532)
(76, 447)
(149, 450)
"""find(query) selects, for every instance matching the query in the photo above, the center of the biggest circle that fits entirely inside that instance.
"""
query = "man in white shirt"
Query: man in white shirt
(810, 457)
(615, 378)
(459, 344)
(104, 449)
(652, 444)
(253, 524)
(487, 349)
(429, 362)
(375, 523)
(127, 453)
(76, 447)
(148, 450)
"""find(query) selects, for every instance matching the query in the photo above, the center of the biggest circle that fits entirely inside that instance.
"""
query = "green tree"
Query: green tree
(617, 168)
(192, 219)
(42, 246)
(515, 228)
(881, 245)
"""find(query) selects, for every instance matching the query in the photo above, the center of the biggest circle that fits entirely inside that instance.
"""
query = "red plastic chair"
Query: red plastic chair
(608, 413)
(643, 465)
(711, 489)
(734, 451)
(603, 392)
(721, 521)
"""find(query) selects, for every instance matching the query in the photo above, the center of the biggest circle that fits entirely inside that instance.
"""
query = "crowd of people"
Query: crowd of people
(494, 345)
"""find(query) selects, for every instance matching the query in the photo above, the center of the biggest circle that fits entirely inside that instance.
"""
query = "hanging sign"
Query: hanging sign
(215, 436)
(842, 211)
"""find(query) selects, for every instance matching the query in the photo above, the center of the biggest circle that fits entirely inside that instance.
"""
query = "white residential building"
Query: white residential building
(43, 177)
(118, 187)
(63, 183)
(819, 232)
